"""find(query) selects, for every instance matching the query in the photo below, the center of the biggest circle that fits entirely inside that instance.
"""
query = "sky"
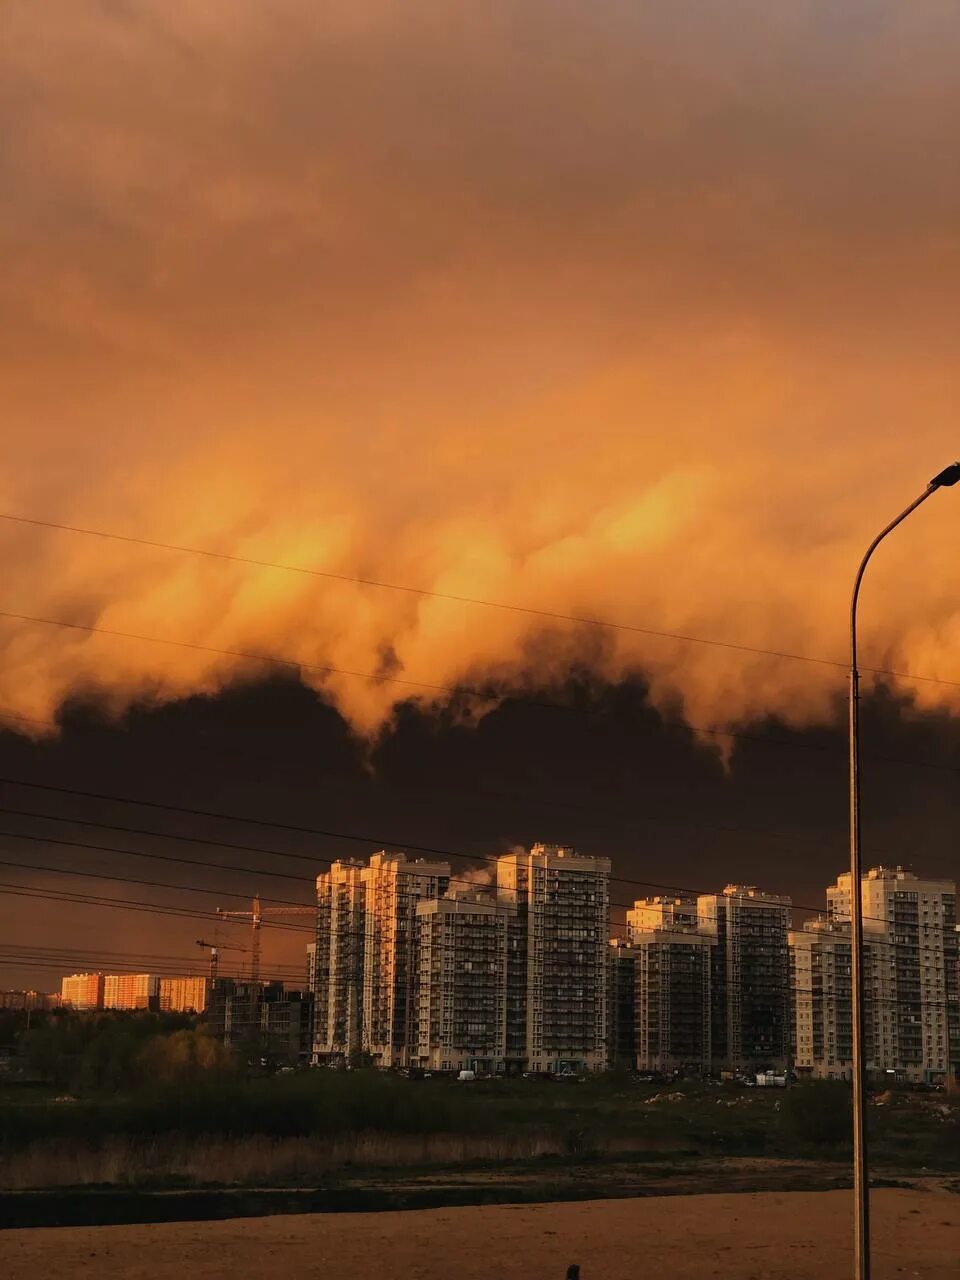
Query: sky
(632, 313)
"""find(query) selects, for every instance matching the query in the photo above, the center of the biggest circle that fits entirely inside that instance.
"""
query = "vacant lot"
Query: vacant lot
(801, 1236)
(324, 1129)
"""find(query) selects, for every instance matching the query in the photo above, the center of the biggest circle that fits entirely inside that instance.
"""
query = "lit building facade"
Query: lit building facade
(912, 1027)
(821, 983)
(393, 887)
(82, 991)
(337, 963)
(131, 991)
(184, 995)
(661, 913)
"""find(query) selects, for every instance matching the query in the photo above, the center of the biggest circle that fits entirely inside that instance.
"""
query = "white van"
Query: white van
(467, 1075)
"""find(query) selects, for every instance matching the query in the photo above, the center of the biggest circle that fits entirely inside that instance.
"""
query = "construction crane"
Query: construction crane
(255, 916)
(215, 948)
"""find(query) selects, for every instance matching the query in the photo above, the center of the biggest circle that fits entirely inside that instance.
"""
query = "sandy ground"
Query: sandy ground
(767, 1236)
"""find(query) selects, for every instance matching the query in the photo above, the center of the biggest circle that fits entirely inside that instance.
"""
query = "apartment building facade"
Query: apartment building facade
(912, 1023)
(82, 991)
(621, 1004)
(28, 1000)
(131, 991)
(462, 983)
(662, 912)
(750, 977)
(337, 964)
(672, 1010)
(821, 984)
(557, 958)
(393, 887)
(184, 995)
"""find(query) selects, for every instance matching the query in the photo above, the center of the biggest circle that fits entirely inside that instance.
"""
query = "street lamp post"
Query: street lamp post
(861, 1244)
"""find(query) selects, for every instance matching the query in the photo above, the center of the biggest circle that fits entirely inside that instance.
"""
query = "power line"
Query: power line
(504, 910)
(903, 999)
(163, 857)
(16, 889)
(548, 614)
(373, 841)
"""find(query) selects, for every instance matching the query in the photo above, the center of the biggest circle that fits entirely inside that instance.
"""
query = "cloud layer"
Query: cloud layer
(641, 316)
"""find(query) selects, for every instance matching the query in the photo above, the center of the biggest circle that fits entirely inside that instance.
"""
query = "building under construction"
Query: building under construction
(261, 1021)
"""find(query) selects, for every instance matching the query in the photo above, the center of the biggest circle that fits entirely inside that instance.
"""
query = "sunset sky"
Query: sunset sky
(635, 313)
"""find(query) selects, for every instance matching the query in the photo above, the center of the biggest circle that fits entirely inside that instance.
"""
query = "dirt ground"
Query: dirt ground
(766, 1236)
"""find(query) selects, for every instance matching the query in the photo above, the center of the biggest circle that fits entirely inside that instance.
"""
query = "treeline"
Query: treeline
(112, 1053)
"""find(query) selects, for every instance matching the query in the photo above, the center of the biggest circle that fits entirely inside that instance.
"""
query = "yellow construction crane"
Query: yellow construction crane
(255, 916)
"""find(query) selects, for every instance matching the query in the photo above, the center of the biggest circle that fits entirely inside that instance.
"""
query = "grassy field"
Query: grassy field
(320, 1127)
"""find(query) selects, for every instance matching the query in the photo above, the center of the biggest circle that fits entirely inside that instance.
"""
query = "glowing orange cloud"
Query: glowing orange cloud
(596, 311)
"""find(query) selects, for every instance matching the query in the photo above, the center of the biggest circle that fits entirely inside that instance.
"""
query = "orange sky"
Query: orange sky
(641, 315)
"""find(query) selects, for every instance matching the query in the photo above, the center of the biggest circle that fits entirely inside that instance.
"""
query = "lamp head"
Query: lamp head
(948, 476)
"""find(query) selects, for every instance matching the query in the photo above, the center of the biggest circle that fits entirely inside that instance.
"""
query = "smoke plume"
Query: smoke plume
(640, 313)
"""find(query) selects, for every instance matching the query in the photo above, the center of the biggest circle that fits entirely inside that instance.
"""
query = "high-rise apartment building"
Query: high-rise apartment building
(621, 1003)
(672, 1009)
(184, 995)
(337, 963)
(131, 991)
(82, 991)
(393, 886)
(750, 977)
(462, 982)
(912, 1027)
(557, 957)
(821, 984)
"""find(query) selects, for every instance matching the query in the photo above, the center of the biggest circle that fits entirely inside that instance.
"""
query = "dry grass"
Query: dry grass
(257, 1161)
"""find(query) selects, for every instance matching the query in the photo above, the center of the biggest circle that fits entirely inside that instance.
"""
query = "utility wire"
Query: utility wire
(903, 999)
(375, 841)
(17, 889)
(361, 932)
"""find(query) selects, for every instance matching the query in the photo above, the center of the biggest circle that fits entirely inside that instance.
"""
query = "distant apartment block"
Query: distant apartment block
(82, 991)
(462, 982)
(557, 957)
(336, 963)
(393, 887)
(131, 991)
(28, 1000)
(184, 995)
(912, 1023)
(750, 977)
